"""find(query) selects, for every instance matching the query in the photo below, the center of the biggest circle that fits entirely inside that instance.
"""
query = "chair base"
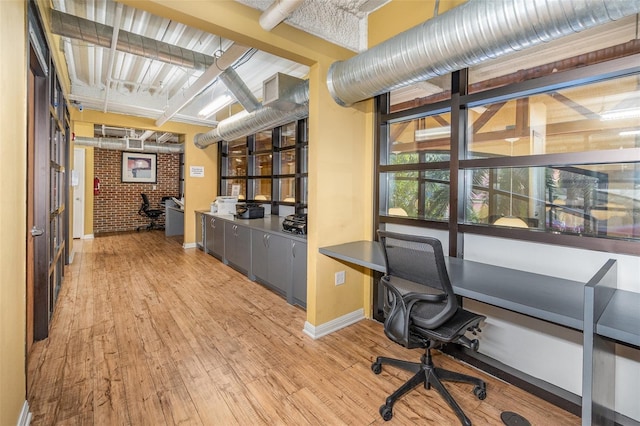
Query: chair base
(426, 373)
(150, 227)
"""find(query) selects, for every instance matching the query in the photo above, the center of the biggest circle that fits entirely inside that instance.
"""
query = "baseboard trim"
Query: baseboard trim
(189, 245)
(87, 237)
(315, 332)
(25, 415)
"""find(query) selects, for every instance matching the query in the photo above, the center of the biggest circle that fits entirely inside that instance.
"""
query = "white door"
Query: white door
(78, 192)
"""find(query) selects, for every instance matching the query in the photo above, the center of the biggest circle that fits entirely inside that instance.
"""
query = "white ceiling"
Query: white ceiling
(111, 80)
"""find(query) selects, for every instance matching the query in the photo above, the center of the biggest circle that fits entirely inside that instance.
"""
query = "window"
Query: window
(555, 158)
(270, 166)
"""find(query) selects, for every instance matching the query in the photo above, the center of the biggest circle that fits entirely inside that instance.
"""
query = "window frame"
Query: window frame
(460, 164)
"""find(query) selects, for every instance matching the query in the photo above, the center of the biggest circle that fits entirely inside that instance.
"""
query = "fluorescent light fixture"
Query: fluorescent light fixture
(216, 105)
(629, 133)
(621, 114)
(433, 133)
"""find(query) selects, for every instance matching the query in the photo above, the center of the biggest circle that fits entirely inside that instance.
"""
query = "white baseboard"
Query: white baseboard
(87, 237)
(189, 245)
(315, 332)
(25, 415)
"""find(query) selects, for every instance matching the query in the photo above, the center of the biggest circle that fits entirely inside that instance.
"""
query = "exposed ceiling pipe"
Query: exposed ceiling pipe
(247, 123)
(463, 37)
(121, 145)
(182, 98)
(234, 83)
(71, 26)
(112, 53)
(278, 12)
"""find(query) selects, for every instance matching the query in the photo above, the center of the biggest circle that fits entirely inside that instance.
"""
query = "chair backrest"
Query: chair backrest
(145, 202)
(420, 260)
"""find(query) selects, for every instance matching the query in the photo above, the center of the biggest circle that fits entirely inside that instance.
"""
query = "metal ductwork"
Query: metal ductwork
(234, 83)
(88, 31)
(468, 35)
(120, 144)
(265, 117)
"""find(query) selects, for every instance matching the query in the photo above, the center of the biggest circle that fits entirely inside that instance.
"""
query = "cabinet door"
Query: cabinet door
(259, 259)
(279, 263)
(208, 235)
(238, 246)
(299, 277)
(218, 238)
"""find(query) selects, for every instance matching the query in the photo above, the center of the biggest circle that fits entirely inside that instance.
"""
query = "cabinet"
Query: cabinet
(200, 230)
(214, 236)
(299, 273)
(280, 263)
(237, 246)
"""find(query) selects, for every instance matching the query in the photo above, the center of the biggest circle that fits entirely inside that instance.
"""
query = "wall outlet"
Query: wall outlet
(340, 277)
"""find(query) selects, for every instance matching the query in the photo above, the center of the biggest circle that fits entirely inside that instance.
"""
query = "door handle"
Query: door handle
(35, 232)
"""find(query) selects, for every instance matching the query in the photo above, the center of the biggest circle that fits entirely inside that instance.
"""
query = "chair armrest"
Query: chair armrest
(424, 297)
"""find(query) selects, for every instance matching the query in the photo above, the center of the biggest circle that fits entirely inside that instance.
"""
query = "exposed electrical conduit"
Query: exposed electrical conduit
(463, 37)
(247, 123)
(234, 83)
(112, 53)
(178, 101)
(121, 145)
(71, 26)
(278, 12)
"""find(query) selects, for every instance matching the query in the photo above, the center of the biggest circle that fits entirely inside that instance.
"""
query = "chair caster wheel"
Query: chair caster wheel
(386, 413)
(480, 393)
(376, 367)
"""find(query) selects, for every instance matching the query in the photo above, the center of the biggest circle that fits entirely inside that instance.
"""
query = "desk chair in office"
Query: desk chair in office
(421, 310)
(153, 214)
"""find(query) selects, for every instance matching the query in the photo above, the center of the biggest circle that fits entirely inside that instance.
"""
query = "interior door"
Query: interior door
(78, 192)
(30, 221)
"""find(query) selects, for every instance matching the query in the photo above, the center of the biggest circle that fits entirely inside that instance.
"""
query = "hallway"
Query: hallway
(147, 333)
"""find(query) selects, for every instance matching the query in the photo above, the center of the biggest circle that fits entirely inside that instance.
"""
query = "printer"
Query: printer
(249, 211)
(295, 224)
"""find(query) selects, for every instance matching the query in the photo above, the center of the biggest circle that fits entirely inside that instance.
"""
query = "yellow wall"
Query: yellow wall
(199, 192)
(400, 15)
(13, 161)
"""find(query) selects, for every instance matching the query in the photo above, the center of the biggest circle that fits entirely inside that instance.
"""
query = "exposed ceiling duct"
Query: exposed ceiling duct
(120, 144)
(463, 37)
(265, 117)
(234, 83)
(278, 12)
(71, 26)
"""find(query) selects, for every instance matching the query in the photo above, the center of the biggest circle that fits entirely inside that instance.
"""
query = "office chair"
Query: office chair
(421, 310)
(153, 214)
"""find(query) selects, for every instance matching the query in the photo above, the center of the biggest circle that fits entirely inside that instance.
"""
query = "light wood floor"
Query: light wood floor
(147, 333)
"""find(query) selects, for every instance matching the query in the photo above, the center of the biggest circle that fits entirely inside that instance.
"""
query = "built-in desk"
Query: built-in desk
(597, 308)
(541, 296)
(173, 221)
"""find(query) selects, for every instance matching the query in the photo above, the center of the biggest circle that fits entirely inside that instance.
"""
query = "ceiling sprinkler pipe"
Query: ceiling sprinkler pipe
(278, 12)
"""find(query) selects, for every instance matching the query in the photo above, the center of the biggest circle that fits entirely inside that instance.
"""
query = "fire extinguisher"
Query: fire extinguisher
(96, 186)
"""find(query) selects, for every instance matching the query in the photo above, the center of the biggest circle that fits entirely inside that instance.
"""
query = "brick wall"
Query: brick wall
(116, 208)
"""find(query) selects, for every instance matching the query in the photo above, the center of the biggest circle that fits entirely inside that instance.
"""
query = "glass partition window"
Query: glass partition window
(262, 164)
(421, 93)
(594, 200)
(599, 116)
(263, 141)
(227, 187)
(287, 190)
(421, 140)
(287, 162)
(261, 189)
(288, 135)
(416, 194)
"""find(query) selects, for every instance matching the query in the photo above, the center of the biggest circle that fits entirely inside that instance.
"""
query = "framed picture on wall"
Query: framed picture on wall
(139, 167)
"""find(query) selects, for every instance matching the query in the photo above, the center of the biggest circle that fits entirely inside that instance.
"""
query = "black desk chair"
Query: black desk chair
(152, 214)
(421, 310)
